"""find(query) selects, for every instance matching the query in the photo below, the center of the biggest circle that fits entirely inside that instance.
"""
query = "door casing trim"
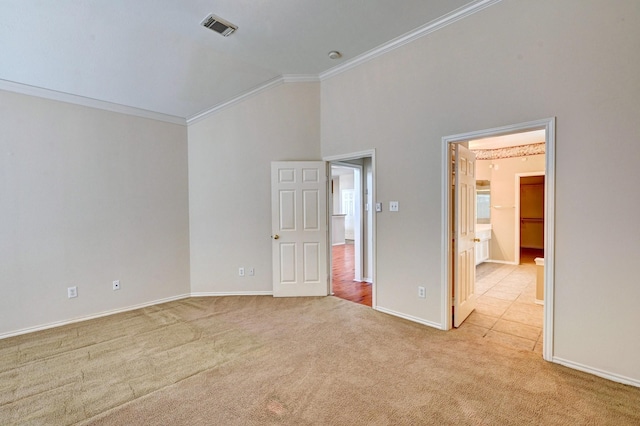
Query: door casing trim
(371, 153)
(549, 125)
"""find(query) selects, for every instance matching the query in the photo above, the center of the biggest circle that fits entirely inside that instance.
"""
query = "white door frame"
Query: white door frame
(548, 125)
(358, 184)
(517, 213)
(355, 156)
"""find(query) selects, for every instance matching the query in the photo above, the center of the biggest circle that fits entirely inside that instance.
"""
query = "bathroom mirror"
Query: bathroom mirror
(483, 201)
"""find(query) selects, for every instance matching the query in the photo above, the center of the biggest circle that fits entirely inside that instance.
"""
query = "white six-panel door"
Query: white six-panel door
(464, 298)
(299, 228)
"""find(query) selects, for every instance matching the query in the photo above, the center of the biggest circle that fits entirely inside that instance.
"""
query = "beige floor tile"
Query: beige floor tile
(526, 298)
(491, 279)
(483, 288)
(482, 320)
(507, 289)
(521, 280)
(467, 327)
(517, 329)
(502, 295)
(488, 300)
(529, 308)
(507, 292)
(523, 317)
(510, 340)
(491, 310)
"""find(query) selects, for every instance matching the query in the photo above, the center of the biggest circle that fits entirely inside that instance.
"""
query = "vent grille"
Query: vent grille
(219, 25)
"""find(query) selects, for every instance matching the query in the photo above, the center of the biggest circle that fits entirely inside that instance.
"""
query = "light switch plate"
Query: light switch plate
(378, 207)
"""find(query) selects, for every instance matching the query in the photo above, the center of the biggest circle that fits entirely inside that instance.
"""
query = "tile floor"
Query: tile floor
(506, 312)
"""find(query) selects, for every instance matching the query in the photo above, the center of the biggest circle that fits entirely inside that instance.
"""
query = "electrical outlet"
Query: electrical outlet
(241, 271)
(422, 292)
(116, 285)
(72, 292)
(393, 206)
(252, 271)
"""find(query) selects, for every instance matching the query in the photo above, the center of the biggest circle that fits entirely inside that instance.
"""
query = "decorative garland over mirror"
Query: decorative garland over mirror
(509, 152)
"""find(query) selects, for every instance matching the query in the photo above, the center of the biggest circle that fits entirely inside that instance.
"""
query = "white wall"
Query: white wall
(503, 193)
(229, 183)
(87, 197)
(513, 62)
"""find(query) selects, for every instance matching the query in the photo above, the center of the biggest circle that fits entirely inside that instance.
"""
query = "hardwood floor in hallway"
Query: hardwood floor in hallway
(343, 274)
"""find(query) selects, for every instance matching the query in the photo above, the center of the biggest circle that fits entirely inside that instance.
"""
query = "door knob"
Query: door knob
(275, 237)
(477, 240)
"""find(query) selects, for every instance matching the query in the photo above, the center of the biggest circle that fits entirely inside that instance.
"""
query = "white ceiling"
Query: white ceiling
(154, 54)
(515, 139)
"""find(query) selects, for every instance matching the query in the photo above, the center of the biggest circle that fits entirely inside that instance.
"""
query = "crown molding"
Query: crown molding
(277, 81)
(301, 78)
(419, 32)
(285, 78)
(422, 31)
(25, 89)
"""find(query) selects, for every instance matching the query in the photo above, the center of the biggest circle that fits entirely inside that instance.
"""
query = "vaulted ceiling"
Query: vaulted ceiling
(154, 55)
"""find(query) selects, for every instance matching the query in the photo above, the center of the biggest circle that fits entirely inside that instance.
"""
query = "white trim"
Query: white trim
(409, 317)
(597, 372)
(549, 225)
(371, 153)
(351, 156)
(231, 293)
(300, 78)
(275, 82)
(422, 31)
(419, 32)
(501, 262)
(358, 184)
(90, 317)
(53, 95)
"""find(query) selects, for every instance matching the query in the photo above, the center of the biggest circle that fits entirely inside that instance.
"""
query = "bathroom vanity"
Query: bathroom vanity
(483, 238)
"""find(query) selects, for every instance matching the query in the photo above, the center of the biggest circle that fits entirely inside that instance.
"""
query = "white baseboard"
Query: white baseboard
(89, 317)
(231, 293)
(409, 317)
(502, 262)
(597, 372)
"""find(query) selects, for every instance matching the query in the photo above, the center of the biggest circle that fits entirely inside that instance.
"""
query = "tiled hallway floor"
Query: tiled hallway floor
(506, 311)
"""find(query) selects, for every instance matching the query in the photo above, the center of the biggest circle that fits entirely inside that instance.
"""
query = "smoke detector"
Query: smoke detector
(219, 25)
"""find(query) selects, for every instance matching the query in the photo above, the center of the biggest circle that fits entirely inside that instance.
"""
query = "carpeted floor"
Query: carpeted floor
(261, 360)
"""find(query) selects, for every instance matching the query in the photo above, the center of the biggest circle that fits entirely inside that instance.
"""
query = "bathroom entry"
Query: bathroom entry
(534, 157)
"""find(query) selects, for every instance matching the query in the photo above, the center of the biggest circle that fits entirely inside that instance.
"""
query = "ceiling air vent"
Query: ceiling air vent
(219, 25)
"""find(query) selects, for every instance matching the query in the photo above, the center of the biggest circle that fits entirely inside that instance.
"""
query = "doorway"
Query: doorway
(448, 239)
(530, 214)
(351, 222)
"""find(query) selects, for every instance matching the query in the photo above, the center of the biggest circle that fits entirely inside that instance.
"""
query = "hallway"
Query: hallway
(342, 275)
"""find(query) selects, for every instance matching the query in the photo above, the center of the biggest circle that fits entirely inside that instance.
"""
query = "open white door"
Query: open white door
(299, 225)
(464, 298)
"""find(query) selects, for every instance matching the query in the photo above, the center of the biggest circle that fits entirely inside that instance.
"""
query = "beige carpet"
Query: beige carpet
(313, 361)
